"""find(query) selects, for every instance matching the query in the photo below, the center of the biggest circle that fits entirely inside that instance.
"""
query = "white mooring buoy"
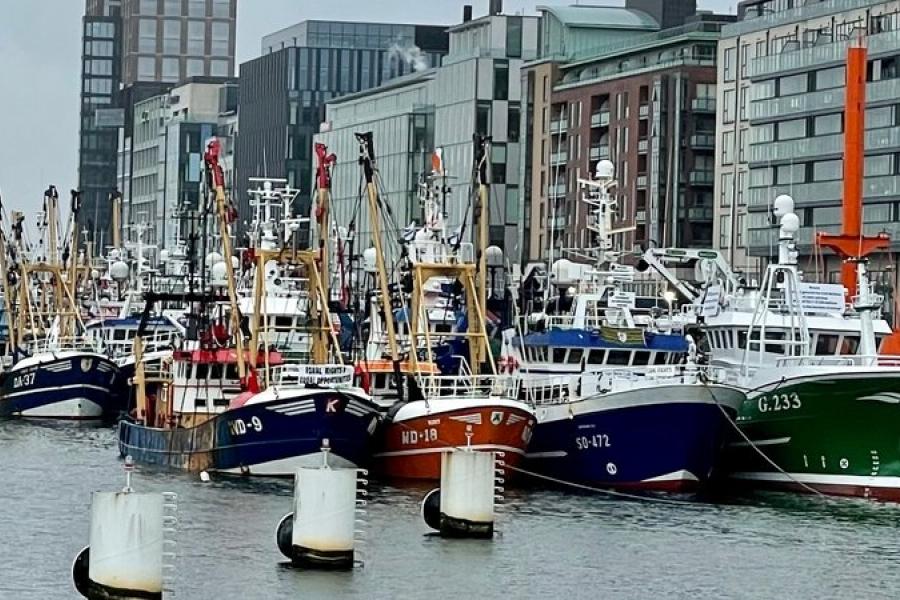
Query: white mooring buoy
(322, 531)
(464, 504)
(127, 556)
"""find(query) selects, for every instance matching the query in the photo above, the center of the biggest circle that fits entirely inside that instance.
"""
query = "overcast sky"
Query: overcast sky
(40, 51)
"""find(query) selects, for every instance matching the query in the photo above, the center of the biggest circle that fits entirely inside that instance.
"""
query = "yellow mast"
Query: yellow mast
(323, 185)
(217, 181)
(367, 159)
(482, 215)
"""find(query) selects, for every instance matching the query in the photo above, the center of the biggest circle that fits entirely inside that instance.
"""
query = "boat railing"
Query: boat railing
(471, 386)
(847, 360)
(59, 344)
(550, 390)
(568, 322)
(436, 252)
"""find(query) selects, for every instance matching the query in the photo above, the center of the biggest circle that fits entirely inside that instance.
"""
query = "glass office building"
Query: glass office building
(284, 91)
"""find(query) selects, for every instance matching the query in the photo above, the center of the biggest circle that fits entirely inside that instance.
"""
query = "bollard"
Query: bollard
(127, 537)
(464, 504)
(321, 532)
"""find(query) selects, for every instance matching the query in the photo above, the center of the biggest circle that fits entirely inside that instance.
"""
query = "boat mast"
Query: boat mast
(216, 178)
(7, 289)
(323, 186)
(367, 160)
(481, 217)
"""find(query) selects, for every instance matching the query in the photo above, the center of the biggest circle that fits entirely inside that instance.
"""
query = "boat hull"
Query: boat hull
(836, 433)
(270, 438)
(65, 386)
(666, 437)
(413, 440)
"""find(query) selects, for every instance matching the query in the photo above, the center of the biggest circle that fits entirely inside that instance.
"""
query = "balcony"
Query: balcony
(822, 146)
(703, 105)
(644, 111)
(825, 193)
(700, 213)
(559, 158)
(559, 126)
(643, 145)
(600, 119)
(599, 152)
(557, 191)
(641, 181)
(702, 141)
(878, 92)
(813, 56)
(557, 222)
(701, 177)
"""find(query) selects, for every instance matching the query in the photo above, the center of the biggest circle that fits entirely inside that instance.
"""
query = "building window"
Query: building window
(882, 164)
(743, 103)
(147, 35)
(483, 118)
(172, 8)
(146, 68)
(743, 134)
(101, 49)
(100, 67)
(828, 124)
(100, 86)
(827, 79)
(103, 30)
(196, 8)
(728, 106)
(220, 38)
(724, 231)
(741, 183)
(219, 68)
(876, 118)
(729, 64)
(196, 38)
(514, 124)
(792, 130)
(172, 36)
(727, 147)
(763, 90)
(793, 84)
(149, 7)
(221, 8)
(761, 177)
(739, 231)
(832, 170)
(514, 37)
(727, 192)
(745, 58)
(170, 69)
(501, 81)
(790, 174)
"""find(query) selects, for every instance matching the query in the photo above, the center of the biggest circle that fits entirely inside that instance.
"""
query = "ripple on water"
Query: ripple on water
(551, 544)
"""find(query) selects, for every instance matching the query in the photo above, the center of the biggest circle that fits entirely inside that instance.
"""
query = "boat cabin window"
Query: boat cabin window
(775, 336)
(200, 401)
(559, 355)
(742, 339)
(284, 321)
(826, 344)
(659, 358)
(231, 372)
(849, 344)
(201, 371)
(641, 358)
(443, 328)
(380, 381)
(878, 340)
(575, 356)
(618, 357)
(220, 402)
(597, 357)
(215, 371)
(119, 334)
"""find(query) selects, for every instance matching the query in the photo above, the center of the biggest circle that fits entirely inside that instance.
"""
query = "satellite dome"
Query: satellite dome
(119, 270)
(217, 273)
(605, 170)
(213, 258)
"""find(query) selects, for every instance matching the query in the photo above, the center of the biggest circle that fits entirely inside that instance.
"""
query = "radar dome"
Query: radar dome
(369, 261)
(119, 270)
(605, 170)
(217, 273)
(213, 258)
(783, 205)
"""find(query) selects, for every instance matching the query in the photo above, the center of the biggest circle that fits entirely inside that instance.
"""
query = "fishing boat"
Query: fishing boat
(437, 413)
(265, 417)
(822, 402)
(621, 401)
(56, 372)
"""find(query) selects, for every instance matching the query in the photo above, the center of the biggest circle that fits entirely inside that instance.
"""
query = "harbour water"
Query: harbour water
(552, 544)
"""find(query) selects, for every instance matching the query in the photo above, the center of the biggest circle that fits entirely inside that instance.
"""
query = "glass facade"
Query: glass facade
(98, 140)
(283, 93)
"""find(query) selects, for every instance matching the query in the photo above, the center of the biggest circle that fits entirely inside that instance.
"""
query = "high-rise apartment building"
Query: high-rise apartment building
(781, 80)
(614, 86)
(284, 91)
(140, 44)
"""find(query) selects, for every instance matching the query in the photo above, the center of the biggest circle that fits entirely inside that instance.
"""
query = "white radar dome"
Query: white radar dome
(119, 270)
(605, 170)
